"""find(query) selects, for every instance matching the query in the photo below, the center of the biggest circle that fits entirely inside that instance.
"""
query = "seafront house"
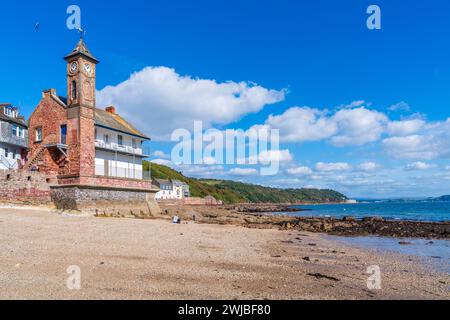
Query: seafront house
(118, 146)
(172, 190)
(181, 188)
(13, 138)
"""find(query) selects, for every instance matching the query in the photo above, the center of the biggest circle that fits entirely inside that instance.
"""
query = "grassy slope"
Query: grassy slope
(238, 192)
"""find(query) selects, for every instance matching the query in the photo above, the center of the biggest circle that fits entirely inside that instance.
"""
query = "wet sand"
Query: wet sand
(154, 259)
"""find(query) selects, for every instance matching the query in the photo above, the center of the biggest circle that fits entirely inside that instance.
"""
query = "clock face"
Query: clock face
(74, 67)
(88, 68)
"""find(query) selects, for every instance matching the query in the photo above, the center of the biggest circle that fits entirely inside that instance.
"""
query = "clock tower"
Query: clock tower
(81, 76)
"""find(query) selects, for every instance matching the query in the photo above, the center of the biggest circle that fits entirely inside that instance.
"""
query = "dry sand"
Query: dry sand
(154, 259)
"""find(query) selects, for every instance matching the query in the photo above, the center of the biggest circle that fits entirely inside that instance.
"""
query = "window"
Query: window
(10, 112)
(74, 90)
(120, 140)
(6, 152)
(63, 136)
(18, 131)
(134, 143)
(38, 135)
(15, 130)
(106, 138)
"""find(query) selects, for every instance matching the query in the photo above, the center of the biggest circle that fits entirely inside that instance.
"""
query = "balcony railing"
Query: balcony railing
(119, 148)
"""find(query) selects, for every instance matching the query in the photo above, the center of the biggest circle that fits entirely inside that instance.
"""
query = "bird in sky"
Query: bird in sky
(37, 26)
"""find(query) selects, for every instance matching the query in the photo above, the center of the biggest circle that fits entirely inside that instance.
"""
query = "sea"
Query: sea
(388, 209)
(434, 253)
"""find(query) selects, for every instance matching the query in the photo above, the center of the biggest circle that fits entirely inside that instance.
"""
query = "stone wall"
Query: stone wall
(105, 201)
(25, 188)
(107, 182)
(208, 201)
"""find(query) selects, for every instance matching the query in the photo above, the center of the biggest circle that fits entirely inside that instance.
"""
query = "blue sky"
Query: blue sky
(361, 111)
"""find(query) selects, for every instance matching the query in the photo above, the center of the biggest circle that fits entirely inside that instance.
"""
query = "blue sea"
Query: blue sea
(390, 210)
(435, 253)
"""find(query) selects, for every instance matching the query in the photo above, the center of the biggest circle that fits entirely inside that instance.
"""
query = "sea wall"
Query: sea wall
(105, 201)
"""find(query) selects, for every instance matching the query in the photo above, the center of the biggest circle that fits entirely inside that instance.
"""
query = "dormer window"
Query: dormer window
(11, 112)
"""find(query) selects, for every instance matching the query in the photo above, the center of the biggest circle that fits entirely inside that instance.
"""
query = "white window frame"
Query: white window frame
(38, 134)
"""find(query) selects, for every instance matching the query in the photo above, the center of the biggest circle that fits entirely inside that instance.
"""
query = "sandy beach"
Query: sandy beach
(154, 259)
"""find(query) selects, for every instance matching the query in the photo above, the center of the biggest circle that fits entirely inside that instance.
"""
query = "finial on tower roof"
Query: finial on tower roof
(81, 48)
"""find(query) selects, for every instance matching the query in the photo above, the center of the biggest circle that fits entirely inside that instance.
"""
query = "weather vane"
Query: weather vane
(82, 32)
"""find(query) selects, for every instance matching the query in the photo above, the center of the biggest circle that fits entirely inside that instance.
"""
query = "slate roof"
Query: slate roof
(109, 120)
(116, 122)
(81, 48)
(20, 120)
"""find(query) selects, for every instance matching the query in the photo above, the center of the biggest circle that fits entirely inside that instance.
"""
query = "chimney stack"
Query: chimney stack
(111, 109)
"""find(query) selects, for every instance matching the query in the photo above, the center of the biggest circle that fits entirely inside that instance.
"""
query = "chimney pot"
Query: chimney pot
(111, 109)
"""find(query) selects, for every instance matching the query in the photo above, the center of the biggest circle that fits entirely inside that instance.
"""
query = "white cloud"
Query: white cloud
(243, 172)
(161, 154)
(419, 166)
(358, 126)
(328, 167)
(346, 127)
(401, 106)
(431, 142)
(159, 100)
(368, 166)
(302, 124)
(405, 127)
(270, 156)
(300, 171)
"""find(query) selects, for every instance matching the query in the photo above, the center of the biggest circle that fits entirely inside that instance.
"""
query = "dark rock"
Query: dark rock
(307, 259)
(322, 276)
(373, 219)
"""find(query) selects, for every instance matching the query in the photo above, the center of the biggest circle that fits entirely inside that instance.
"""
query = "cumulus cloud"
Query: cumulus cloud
(419, 166)
(358, 126)
(302, 124)
(161, 154)
(240, 172)
(354, 126)
(368, 166)
(405, 127)
(159, 100)
(430, 142)
(401, 106)
(270, 156)
(329, 167)
(300, 171)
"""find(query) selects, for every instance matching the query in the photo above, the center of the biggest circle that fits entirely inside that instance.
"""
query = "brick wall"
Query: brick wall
(49, 115)
(25, 188)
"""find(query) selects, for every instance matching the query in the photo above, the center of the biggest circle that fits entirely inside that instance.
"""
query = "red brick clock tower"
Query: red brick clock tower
(81, 76)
